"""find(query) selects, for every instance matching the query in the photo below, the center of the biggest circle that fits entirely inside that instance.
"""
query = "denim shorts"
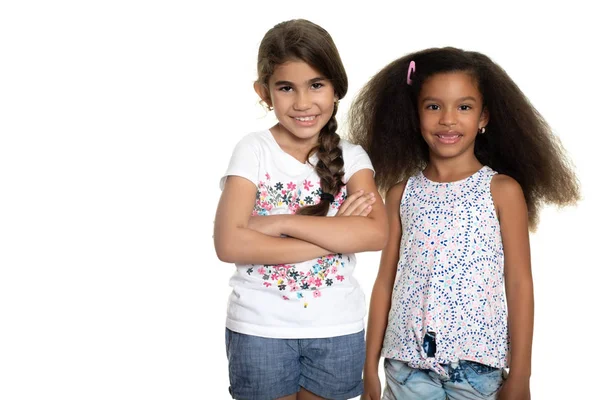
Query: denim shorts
(467, 380)
(266, 369)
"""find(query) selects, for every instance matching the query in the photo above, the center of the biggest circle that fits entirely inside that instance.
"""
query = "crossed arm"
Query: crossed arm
(242, 239)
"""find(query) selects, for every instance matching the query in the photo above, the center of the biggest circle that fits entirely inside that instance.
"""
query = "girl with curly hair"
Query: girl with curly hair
(465, 162)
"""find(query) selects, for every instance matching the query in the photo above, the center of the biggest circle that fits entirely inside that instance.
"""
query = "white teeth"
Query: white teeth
(305, 118)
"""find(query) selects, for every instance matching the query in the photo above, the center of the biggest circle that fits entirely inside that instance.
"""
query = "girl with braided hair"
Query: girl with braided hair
(295, 315)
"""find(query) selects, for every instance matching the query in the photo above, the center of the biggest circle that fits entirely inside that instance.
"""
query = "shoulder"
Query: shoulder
(393, 199)
(395, 193)
(511, 206)
(253, 145)
(355, 159)
(254, 139)
(505, 183)
(247, 158)
(351, 149)
(505, 190)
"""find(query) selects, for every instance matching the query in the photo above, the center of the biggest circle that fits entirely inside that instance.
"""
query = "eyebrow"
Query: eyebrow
(310, 82)
(461, 99)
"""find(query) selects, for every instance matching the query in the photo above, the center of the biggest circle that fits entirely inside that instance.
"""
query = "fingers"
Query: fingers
(358, 204)
(349, 200)
(367, 208)
(370, 396)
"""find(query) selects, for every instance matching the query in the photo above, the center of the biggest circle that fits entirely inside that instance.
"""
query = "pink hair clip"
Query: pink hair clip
(411, 69)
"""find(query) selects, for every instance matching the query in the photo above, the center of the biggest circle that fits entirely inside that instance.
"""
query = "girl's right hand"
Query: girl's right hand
(372, 390)
(357, 204)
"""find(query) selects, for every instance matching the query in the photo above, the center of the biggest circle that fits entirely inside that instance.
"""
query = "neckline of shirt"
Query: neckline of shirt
(313, 159)
(480, 170)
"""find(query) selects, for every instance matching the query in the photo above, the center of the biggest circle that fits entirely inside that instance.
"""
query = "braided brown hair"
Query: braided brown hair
(303, 40)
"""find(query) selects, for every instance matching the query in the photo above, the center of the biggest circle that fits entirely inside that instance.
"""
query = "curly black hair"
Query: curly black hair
(518, 142)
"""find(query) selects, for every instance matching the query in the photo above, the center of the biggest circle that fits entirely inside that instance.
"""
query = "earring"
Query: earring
(481, 131)
(270, 107)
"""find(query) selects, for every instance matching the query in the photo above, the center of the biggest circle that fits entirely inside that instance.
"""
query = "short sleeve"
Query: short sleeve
(244, 161)
(355, 159)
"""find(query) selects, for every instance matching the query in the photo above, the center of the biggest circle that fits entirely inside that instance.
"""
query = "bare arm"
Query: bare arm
(512, 212)
(342, 235)
(357, 204)
(236, 243)
(381, 296)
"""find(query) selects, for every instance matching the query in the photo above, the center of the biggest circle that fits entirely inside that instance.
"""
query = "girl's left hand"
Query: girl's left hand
(515, 389)
(357, 204)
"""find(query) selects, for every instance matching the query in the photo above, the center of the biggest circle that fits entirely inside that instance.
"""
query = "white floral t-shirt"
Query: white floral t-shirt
(313, 299)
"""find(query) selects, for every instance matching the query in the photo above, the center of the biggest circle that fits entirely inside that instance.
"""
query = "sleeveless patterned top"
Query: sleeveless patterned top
(450, 278)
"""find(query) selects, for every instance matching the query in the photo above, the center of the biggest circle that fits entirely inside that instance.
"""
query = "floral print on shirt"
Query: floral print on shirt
(286, 198)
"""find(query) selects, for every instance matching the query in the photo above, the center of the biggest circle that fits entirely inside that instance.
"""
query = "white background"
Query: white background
(117, 119)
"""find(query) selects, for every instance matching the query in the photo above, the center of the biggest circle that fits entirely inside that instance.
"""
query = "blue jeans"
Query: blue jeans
(266, 368)
(468, 381)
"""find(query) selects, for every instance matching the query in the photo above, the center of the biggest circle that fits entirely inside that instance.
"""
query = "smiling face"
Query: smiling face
(302, 98)
(451, 113)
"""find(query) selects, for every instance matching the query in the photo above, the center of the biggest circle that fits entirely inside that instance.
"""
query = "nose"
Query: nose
(302, 101)
(448, 117)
